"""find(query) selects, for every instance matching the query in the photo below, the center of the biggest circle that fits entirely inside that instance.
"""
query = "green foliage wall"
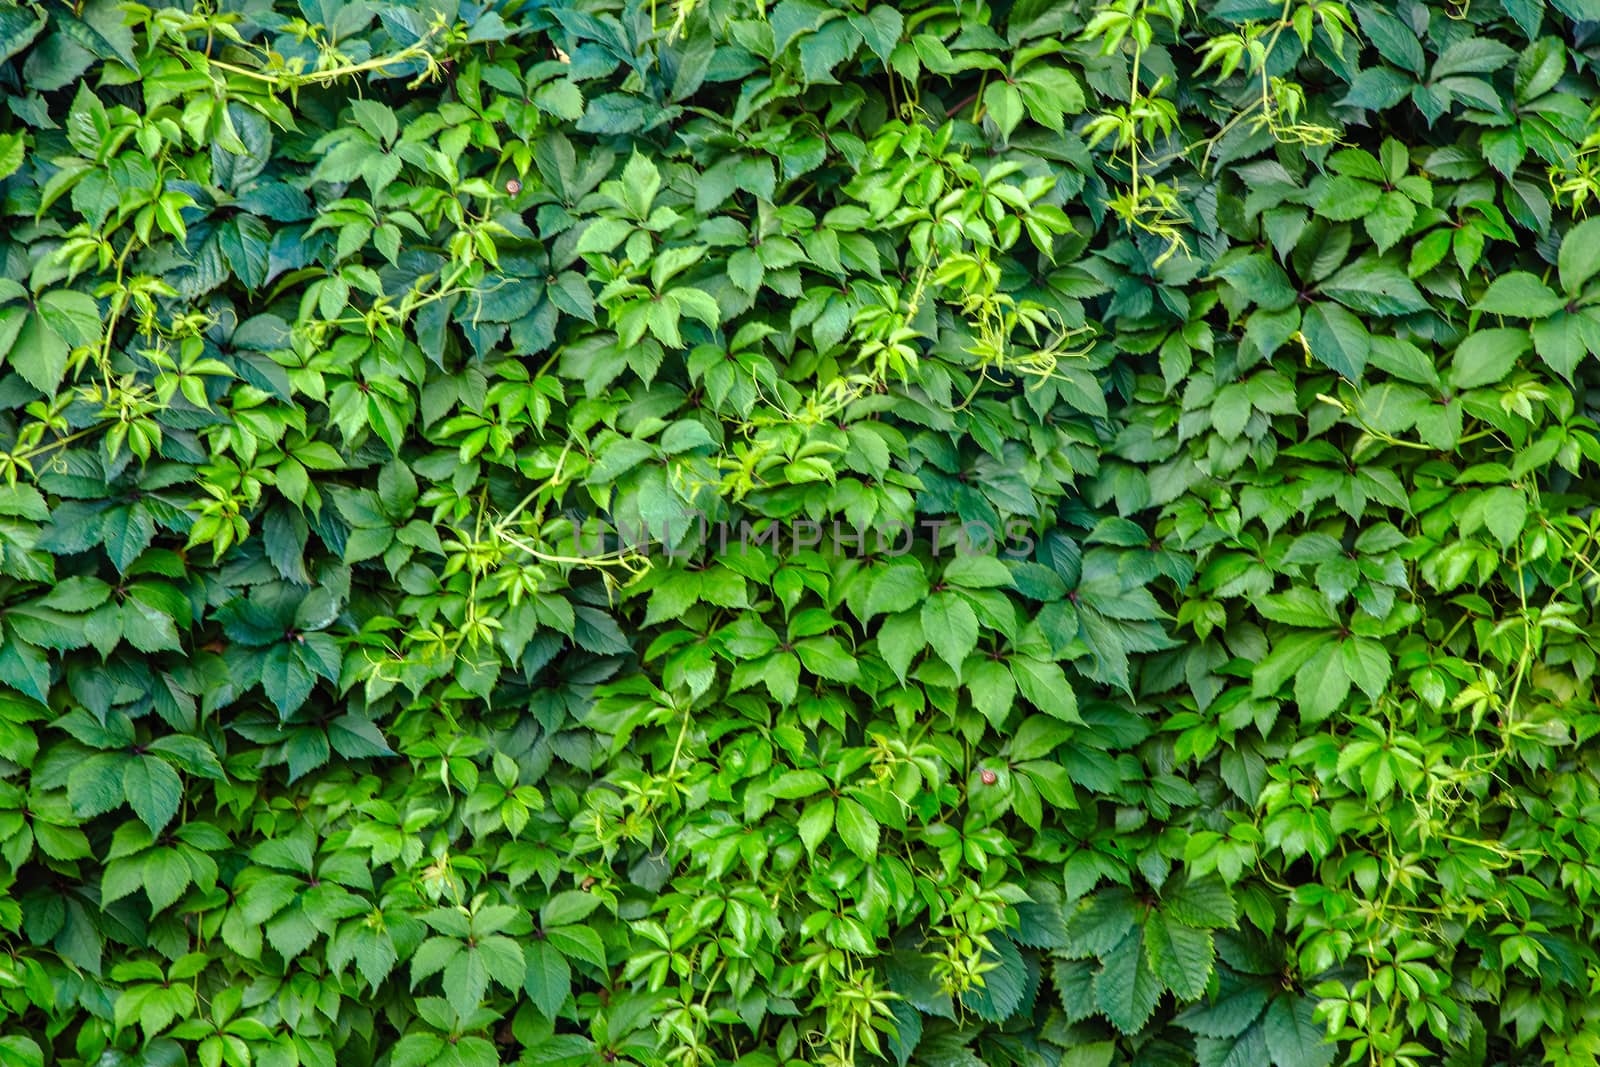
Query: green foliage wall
(343, 722)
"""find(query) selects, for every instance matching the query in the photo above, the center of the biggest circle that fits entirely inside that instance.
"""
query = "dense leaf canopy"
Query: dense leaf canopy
(699, 532)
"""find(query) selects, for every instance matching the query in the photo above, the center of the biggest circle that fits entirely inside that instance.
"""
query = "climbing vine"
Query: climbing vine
(713, 532)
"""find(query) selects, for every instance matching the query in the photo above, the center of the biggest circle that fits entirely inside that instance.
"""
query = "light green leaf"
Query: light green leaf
(977, 572)
(1579, 258)
(857, 828)
(39, 354)
(153, 789)
(1390, 220)
(1038, 736)
(19, 1051)
(1003, 102)
(561, 98)
(1298, 606)
(900, 638)
(1505, 512)
(1519, 295)
(1367, 664)
(993, 689)
(640, 183)
(951, 627)
(12, 150)
(816, 822)
(578, 943)
(603, 235)
(1321, 685)
(1046, 686)
(166, 876)
(897, 587)
(1051, 93)
(1487, 356)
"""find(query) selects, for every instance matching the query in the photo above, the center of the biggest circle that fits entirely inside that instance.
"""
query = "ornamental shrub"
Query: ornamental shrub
(1037, 532)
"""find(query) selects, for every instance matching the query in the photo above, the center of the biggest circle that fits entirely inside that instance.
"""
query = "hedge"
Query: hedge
(824, 532)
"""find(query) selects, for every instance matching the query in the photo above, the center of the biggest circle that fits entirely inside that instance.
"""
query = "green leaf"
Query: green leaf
(1092, 1054)
(1004, 104)
(1244, 1050)
(1367, 664)
(357, 738)
(1003, 986)
(39, 354)
(1101, 923)
(1321, 685)
(857, 828)
(397, 489)
(153, 790)
(815, 823)
(1236, 1006)
(572, 906)
(18, 28)
(72, 316)
(1390, 220)
(561, 98)
(1337, 339)
(1372, 286)
(827, 658)
(19, 1051)
(1505, 512)
(1050, 93)
(1038, 736)
(24, 668)
(993, 689)
(1294, 1038)
(1345, 198)
(793, 785)
(1261, 280)
(897, 587)
(12, 151)
(1563, 339)
(603, 235)
(1180, 955)
(977, 572)
(1046, 687)
(1204, 903)
(166, 876)
(951, 627)
(641, 181)
(1126, 990)
(1579, 258)
(1298, 606)
(466, 981)
(95, 784)
(548, 980)
(503, 959)
(578, 943)
(1472, 55)
(881, 28)
(286, 677)
(1487, 356)
(1519, 295)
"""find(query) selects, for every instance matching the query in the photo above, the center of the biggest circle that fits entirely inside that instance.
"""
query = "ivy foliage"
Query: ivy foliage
(346, 717)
